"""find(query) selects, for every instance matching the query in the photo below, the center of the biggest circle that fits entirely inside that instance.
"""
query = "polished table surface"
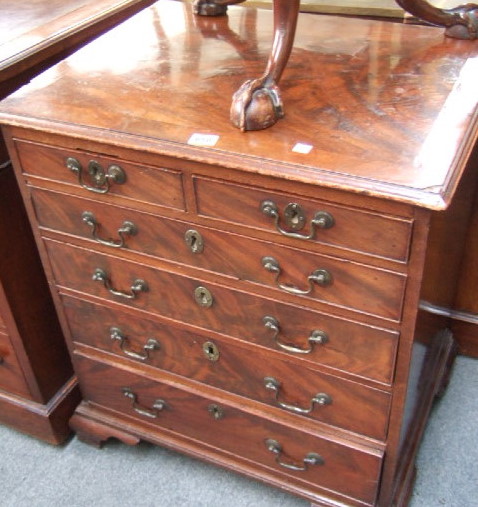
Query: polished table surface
(29, 28)
(386, 114)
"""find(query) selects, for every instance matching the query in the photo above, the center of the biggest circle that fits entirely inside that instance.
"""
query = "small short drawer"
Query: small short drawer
(11, 375)
(327, 223)
(100, 177)
(244, 370)
(318, 462)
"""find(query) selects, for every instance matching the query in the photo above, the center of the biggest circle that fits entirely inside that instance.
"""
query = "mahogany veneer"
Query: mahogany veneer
(38, 390)
(265, 301)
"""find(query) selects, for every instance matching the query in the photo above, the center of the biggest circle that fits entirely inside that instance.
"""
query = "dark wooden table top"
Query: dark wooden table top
(385, 109)
(27, 29)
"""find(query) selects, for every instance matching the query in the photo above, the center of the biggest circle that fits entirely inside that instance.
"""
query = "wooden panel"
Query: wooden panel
(48, 422)
(354, 229)
(366, 352)
(26, 301)
(466, 334)
(466, 302)
(11, 375)
(142, 183)
(347, 470)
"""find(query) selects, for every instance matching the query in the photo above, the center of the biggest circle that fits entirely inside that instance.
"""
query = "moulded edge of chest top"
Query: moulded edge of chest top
(370, 194)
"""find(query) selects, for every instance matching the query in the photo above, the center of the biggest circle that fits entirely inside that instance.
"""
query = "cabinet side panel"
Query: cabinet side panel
(36, 336)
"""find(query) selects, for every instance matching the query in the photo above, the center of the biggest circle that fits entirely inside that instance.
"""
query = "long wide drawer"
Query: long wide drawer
(241, 370)
(352, 285)
(364, 350)
(318, 462)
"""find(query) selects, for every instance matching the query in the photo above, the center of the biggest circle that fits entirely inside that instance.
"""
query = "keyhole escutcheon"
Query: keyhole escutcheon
(194, 241)
(203, 297)
(210, 351)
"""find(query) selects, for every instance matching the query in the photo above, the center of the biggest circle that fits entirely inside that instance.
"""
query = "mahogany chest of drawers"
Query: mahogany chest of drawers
(264, 301)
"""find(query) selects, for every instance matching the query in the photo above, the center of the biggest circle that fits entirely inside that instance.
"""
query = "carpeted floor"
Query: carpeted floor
(34, 474)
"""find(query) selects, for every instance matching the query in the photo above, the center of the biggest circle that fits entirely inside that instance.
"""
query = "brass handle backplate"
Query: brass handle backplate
(137, 286)
(153, 412)
(274, 385)
(310, 459)
(321, 277)
(100, 178)
(295, 219)
(126, 229)
(316, 337)
(152, 344)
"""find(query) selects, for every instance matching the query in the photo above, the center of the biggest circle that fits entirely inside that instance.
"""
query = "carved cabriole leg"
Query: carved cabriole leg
(257, 104)
(460, 22)
(213, 7)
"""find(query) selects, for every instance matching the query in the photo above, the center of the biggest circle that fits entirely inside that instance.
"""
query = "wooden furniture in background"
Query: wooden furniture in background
(464, 311)
(38, 391)
(259, 300)
(369, 8)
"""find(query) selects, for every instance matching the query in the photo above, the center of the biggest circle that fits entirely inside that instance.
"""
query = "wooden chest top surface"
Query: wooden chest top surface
(388, 110)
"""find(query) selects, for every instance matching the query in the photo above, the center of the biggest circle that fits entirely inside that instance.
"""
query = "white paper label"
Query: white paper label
(203, 139)
(305, 149)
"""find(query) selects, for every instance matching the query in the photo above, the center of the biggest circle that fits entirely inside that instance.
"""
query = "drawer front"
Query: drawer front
(11, 375)
(353, 229)
(364, 350)
(351, 471)
(99, 177)
(241, 370)
(284, 270)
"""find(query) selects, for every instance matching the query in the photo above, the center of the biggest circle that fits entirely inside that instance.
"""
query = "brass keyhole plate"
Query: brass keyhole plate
(194, 241)
(203, 297)
(216, 411)
(210, 351)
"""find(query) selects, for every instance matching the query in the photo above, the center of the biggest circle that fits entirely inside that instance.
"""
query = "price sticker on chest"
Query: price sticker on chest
(305, 149)
(198, 139)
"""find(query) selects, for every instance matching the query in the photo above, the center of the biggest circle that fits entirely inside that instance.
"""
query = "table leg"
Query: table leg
(460, 22)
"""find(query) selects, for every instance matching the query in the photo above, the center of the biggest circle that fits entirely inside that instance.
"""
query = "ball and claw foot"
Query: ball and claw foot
(213, 7)
(469, 14)
(206, 8)
(256, 105)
